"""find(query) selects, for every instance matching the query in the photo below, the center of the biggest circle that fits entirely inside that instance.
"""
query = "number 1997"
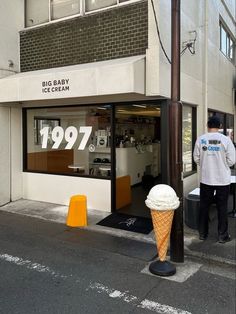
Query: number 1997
(70, 135)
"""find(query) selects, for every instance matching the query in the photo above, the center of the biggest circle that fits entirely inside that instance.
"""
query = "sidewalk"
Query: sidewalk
(209, 250)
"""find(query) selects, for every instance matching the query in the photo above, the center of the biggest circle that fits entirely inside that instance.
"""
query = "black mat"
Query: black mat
(127, 222)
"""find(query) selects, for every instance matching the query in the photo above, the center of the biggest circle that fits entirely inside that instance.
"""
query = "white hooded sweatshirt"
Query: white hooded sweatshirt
(214, 153)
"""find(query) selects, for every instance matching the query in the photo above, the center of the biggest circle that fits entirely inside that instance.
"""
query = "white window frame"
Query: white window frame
(228, 38)
(82, 12)
(193, 126)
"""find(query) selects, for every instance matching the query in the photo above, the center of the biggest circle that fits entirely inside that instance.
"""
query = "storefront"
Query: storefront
(87, 129)
(109, 152)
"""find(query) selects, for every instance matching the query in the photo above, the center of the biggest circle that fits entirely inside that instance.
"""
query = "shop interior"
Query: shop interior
(138, 159)
(77, 141)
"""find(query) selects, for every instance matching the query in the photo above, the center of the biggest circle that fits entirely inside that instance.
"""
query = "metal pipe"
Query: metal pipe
(175, 136)
(205, 78)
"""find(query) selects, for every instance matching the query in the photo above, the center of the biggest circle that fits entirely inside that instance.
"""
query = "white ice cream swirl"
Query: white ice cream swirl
(162, 197)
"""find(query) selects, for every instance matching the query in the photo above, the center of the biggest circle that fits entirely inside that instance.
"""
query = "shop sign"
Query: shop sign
(53, 86)
(70, 135)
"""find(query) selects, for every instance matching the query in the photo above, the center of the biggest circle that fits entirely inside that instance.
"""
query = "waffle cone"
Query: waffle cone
(162, 221)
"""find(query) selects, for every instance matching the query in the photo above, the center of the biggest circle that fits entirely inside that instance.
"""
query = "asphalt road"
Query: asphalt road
(48, 268)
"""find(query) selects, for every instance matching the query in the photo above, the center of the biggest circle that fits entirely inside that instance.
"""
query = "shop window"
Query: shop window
(62, 8)
(36, 12)
(221, 117)
(227, 123)
(70, 141)
(227, 45)
(189, 137)
(230, 126)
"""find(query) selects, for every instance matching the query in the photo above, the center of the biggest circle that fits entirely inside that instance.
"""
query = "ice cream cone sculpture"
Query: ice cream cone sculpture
(162, 221)
(162, 201)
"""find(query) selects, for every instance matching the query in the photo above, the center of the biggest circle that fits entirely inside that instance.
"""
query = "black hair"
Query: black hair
(213, 122)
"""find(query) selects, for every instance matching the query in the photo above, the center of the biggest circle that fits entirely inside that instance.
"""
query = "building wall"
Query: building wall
(207, 76)
(201, 16)
(5, 155)
(16, 159)
(221, 70)
(110, 34)
(41, 187)
(9, 33)
(11, 22)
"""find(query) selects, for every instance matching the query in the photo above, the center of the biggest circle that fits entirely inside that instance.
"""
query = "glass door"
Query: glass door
(138, 162)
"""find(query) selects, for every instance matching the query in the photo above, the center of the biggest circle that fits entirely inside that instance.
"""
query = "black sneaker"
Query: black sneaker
(224, 239)
(202, 237)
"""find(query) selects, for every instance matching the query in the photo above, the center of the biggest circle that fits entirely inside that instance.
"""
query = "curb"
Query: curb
(210, 258)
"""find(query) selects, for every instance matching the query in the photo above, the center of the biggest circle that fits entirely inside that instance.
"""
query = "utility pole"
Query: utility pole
(175, 137)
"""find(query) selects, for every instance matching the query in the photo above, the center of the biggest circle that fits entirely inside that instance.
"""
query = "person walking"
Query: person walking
(215, 154)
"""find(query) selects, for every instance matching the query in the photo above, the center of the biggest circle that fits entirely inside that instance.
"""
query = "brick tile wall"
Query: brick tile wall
(115, 33)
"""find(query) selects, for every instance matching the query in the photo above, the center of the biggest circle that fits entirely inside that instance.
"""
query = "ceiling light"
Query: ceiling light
(140, 106)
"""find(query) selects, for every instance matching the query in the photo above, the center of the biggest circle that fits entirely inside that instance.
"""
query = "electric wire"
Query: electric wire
(158, 33)
(189, 46)
(183, 51)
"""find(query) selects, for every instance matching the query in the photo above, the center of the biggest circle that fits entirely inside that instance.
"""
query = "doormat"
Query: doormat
(127, 222)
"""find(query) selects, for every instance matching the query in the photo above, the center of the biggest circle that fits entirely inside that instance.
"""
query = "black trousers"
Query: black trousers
(206, 199)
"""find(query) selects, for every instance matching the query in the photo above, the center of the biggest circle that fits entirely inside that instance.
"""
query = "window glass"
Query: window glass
(230, 126)
(227, 123)
(69, 140)
(231, 49)
(39, 124)
(62, 8)
(223, 45)
(221, 117)
(36, 12)
(187, 139)
(91, 5)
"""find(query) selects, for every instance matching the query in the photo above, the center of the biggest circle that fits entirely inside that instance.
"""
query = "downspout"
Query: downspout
(205, 79)
(10, 151)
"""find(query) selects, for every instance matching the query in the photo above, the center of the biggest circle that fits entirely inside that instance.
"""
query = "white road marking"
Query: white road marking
(112, 293)
(30, 265)
(161, 308)
(98, 287)
(144, 304)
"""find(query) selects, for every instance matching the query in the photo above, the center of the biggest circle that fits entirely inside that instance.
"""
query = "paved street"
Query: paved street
(47, 268)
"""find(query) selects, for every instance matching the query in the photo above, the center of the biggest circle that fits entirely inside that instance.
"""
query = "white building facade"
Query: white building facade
(84, 94)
